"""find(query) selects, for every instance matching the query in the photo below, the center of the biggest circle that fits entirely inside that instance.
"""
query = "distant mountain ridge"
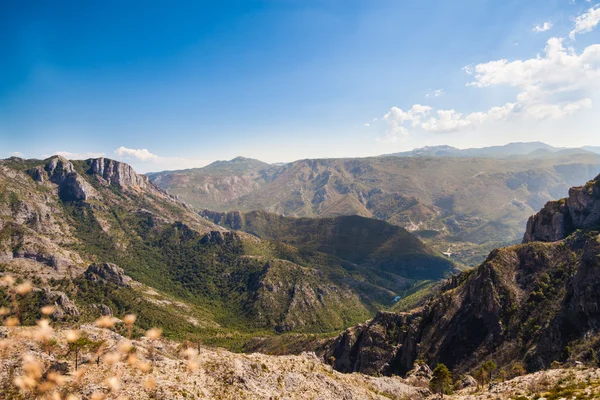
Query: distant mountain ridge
(503, 151)
(467, 204)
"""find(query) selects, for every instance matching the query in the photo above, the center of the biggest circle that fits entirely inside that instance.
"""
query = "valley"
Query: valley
(365, 296)
(300, 200)
(465, 203)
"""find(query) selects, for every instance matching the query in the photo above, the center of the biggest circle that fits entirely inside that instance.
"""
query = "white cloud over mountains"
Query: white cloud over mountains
(139, 154)
(555, 84)
(396, 117)
(143, 160)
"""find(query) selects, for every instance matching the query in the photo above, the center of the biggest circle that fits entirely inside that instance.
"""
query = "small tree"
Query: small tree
(489, 367)
(441, 382)
(479, 376)
(82, 343)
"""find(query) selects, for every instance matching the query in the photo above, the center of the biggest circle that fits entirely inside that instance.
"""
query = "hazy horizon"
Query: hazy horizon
(145, 171)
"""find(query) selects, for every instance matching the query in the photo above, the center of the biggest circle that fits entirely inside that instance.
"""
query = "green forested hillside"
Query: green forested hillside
(201, 279)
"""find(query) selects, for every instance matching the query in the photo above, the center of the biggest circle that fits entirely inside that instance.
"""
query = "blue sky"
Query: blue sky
(165, 87)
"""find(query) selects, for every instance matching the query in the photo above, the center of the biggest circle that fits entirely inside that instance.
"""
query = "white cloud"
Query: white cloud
(550, 86)
(367, 124)
(143, 160)
(393, 133)
(546, 26)
(555, 84)
(586, 22)
(139, 154)
(493, 114)
(396, 118)
(414, 115)
(435, 93)
(16, 154)
(447, 121)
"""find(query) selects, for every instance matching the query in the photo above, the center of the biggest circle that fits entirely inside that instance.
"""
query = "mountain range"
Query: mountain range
(510, 150)
(103, 239)
(464, 204)
(98, 239)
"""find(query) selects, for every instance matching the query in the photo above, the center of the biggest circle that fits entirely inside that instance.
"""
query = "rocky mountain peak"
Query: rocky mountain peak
(117, 172)
(60, 171)
(558, 219)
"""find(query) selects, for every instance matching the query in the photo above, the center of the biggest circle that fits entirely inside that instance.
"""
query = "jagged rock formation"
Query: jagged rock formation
(231, 219)
(117, 172)
(529, 304)
(64, 306)
(72, 186)
(103, 309)
(107, 272)
(558, 219)
(60, 171)
(467, 381)
(218, 237)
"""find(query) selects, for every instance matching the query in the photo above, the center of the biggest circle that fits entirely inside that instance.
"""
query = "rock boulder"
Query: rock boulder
(107, 272)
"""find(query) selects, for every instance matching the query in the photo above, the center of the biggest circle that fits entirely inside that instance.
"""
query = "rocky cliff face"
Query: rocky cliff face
(43, 201)
(558, 219)
(60, 171)
(77, 184)
(231, 219)
(117, 172)
(526, 305)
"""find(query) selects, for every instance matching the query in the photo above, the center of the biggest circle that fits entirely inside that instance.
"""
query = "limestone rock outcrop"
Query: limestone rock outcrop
(107, 272)
(60, 171)
(64, 306)
(217, 237)
(117, 173)
(558, 219)
(384, 345)
(231, 219)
